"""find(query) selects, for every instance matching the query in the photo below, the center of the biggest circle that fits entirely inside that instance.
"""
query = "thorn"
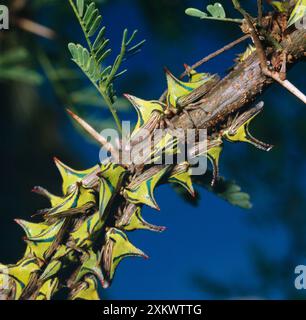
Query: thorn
(100, 277)
(70, 112)
(37, 190)
(18, 221)
(169, 74)
(167, 71)
(102, 283)
(214, 181)
(100, 139)
(105, 284)
(34, 189)
(156, 207)
(156, 228)
(99, 174)
(287, 85)
(38, 213)
(55, 159)
(127, 96)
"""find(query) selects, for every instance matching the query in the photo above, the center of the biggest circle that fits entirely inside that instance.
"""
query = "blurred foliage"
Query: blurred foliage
(36, 57)
(224, 189)
(13, 66)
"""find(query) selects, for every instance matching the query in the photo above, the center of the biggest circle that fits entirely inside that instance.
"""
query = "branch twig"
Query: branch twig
(263, 59)
(209, 57)
(260, 13)
(215, 54)
(287, 85)
(240, 87)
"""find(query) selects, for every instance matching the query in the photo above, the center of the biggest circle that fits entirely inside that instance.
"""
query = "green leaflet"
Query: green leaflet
(86, 290)
(70, 176)
(215, 12)
(239, 129)
(48, 289)
(80, 5)
(226, 190)
(110, 176)
(298, 12)
(193, 12)
(142, 192)
(116, 248)
(232, 193)
(178, 88)
(181, 175)
(90, 59)
(86, 62)
(90, 20)
(132, 220)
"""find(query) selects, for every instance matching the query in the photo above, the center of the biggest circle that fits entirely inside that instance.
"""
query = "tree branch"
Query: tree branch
(239, 88)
